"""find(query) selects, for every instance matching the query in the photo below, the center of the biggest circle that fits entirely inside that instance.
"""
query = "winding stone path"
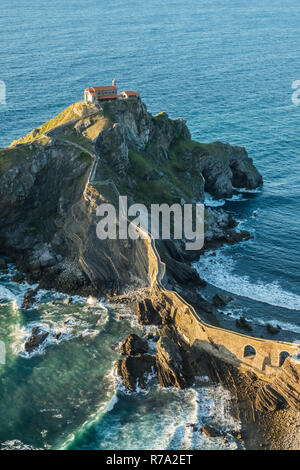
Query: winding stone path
(226, 344)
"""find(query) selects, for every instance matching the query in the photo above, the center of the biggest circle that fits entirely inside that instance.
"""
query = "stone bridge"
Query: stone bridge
(262, 356)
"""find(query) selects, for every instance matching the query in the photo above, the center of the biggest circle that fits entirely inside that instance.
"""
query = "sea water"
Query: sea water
(225, 66)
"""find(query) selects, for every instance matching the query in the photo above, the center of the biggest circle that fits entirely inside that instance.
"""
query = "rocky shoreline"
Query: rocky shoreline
(48, 228)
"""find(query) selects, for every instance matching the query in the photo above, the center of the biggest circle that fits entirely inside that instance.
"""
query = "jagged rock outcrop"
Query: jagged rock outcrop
(268, 399)
(112, 146)
(48, 211)
(223, 167)
(169, 363)
(210, 431)
(220, 225)
(141, 128)
(284, 389)
(38, 336)
(273, 330)
(165, 133)
(134, 370)
(220, 300)
(29, 298)
(135, 120)
(134, 345)
(147, 313)
(287, 382)
(243, 324)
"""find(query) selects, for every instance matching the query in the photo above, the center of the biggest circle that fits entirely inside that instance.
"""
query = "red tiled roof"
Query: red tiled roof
(95, 89)
(108, 97)
(103, 88)
(131, 93)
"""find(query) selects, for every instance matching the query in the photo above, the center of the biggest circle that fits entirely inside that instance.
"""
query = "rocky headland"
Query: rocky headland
(51, 183)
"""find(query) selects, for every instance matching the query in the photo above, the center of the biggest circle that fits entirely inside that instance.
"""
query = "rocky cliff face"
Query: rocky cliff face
(48, 223)
(48, 208)
(283, 391)
(165, 146)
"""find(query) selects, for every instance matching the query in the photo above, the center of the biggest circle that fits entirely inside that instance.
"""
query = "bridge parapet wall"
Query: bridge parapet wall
(261, 355)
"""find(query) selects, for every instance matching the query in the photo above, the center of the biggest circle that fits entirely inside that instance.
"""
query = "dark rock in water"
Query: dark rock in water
(194, 426)
(132, 369)
(210, 431)
(37, 337)
(273, 330)
(68, 301)
(243, 324)
(235, 237)
(3, 264)
(244, 173)
(147, 314)
(57, 335)
(29, 298)
(19, 278)
(169, 364)
(220, 300)
(134, 345)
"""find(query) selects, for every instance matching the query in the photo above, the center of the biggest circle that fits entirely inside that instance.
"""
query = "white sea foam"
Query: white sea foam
(250, 191)
(286, 326)
(16, 445)
(211, 202)
(24, 333)
(219, 271)
(6, 294)
(173, 423)
(236, 197)
(208, 404)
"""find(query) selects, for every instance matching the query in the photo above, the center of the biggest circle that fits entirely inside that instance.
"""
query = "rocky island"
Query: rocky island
(51, 183)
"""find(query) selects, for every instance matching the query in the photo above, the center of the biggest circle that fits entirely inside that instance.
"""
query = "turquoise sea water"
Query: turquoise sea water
(225, 66)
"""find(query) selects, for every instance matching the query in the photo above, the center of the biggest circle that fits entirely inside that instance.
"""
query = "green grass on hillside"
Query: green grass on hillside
(215, 149)
(75, 111)
(171, 188)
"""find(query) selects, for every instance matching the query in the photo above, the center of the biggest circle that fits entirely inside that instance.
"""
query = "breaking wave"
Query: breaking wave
(219, 271)
(209, 201)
